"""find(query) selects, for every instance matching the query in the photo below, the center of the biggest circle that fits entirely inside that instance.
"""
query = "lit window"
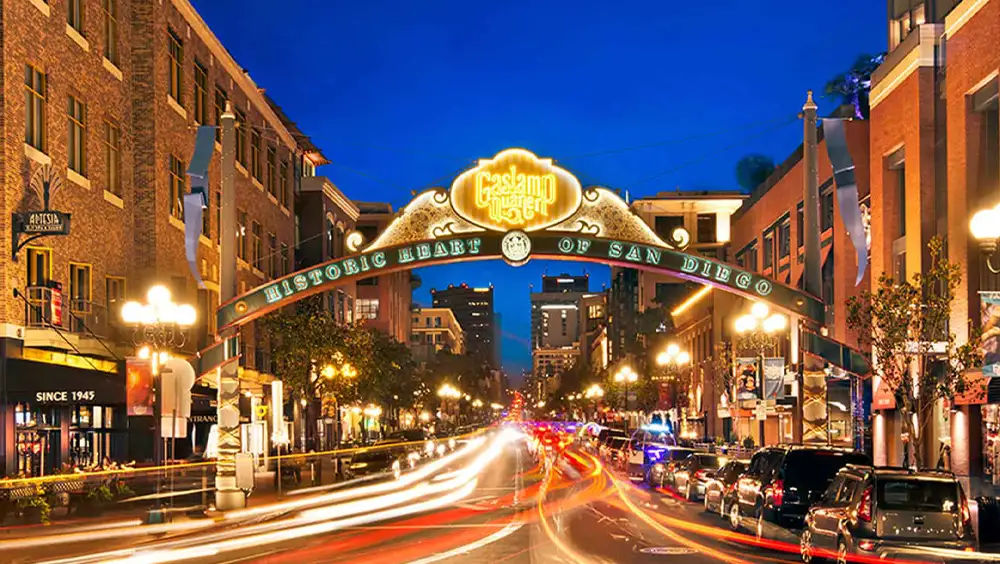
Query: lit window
(76, 142)
(34, 103)
(367, 308)
(175, 50)
(177, 187)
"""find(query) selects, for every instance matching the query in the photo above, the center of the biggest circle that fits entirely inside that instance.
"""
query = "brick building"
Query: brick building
(383, 302)
(112, 121)
(935, 158)
(324, 219)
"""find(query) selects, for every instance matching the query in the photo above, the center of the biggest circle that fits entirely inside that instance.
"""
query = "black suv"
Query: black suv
(783, 481)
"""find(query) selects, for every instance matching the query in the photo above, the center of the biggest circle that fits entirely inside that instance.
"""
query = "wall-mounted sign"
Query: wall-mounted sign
(66, 396)
(38, 223)
(516, 190)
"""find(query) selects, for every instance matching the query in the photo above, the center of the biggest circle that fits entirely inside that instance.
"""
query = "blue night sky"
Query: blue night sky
(404, 95)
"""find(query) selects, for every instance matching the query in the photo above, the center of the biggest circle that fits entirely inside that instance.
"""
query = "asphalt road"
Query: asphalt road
(517, 511)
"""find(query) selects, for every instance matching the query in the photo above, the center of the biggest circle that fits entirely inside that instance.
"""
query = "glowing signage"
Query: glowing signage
(515, 190)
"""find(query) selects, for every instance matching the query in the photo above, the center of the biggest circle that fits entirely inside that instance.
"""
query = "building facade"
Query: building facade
(383, 302)
(433, 330)
(324, 217)
(108, 124)
(473, 308)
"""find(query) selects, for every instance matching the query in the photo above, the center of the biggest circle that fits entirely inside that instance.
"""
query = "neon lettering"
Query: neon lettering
(440, 251)
(689, 265)
(365, 267)
(300, 282)
(423, 251)
(405, 255)
(378, 259)
(286, 288)
(332, 272)
(582, 245)
(722, 273)
(706, 269)
(633, 254)
(742, 280)
(763, 287)
(272, 294)
(615, 250)
(566, 245)
(457, 247)
(513, 197)
(315, 276)
(474, 246)
(351, 267)
(652, 256)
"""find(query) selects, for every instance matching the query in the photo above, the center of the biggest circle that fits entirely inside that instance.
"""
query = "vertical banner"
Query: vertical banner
(746, 378)
(139, 386)
(847, 190)
(989, 311)
(56, 314)
(774, 378)
(197, 200)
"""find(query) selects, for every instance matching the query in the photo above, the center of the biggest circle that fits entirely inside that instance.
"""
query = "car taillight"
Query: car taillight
(700, 474)
(866, 545)
(966, 517)
(865, 507)
(777, 493)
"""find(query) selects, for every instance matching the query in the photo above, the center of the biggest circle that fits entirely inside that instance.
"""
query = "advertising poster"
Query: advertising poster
(139, 386)
(746, 378)
(989, 307)
(774, 378)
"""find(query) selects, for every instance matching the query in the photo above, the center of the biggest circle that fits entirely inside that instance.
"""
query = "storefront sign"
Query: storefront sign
(515, 190)
(66, 396)
(38, 223)
(47, 222)
(139, 386)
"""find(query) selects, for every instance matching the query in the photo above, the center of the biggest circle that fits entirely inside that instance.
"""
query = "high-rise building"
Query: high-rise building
(384, 301)
(473, 307)
(435, 329)
(557, 327)
(566, 283)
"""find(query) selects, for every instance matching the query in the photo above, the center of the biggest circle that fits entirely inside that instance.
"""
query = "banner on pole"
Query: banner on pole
(774, 378)
(139, 386)
(746, 378)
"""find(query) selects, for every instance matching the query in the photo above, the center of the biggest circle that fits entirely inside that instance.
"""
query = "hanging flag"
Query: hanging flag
(774, 378)
(196, 201)
(847, 189)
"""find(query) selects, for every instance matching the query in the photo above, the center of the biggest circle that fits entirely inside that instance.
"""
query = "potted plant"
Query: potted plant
(35, 508)
(122, 491)
(95, 498)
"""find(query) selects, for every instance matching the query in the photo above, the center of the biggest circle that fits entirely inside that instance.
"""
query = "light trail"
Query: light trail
(465, 549)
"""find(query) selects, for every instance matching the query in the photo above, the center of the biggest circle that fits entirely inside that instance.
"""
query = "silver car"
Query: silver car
(889, 513)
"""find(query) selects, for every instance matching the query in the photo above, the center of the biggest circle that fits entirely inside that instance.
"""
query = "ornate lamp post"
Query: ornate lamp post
(158, 326)
(985, 227)
(626, 375)
(758, 332)
(672, 360)
(448, 392)
(594, 393)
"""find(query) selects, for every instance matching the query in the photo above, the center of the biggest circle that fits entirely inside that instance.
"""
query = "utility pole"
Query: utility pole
(813, 271)
(227, 494)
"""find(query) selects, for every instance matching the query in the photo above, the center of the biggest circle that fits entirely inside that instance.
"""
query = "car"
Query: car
(606, 435)
(663, 464)
(692, 474)
(782, 481)
(889, 513)
(614, 451)
(720, 487)
(383, 457)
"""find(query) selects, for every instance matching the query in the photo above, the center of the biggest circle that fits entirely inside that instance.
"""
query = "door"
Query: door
(824, 521)
(748, 485)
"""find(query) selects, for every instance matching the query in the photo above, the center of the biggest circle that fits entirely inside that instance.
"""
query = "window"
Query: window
(768, 249)
(826, 211)
(39, 266)
(367, 308)
(784, 237)
(175, 50)
(76, 143)
(200, 94)
(437, 321)
(272, 185)
(664, 225)
(34, 107)
(286, 265)
(741, 260)
(112, 157)
(114, 292)
(984, 106)
(220, 107)
(800, 221)
(218, 216)
(706, 228)
(206, 215)
(901, 195)
(241, 138)
(177, 187)
(241, 234)
(255, 154)
(283, 184)
(256, 244)
(308, 168)
(74, 15)
(79, 286)
(110, 9)
(272, 255)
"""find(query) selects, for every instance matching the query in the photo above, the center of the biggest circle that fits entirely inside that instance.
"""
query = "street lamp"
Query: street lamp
(626, 375)
(446, 392)
(159, 325)
(759, 331)
(594, 393)
(985, 227)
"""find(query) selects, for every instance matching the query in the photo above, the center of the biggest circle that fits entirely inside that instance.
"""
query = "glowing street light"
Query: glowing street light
(594, 391)
(673, 355)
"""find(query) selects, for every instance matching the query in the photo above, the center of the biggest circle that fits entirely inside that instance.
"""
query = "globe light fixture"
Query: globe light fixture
(985, 227)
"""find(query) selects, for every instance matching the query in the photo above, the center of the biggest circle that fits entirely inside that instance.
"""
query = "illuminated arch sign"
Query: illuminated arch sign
(515, 207)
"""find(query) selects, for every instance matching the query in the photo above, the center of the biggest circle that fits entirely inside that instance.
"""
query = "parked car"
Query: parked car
(693, 473)
(614, 451)
(889, 513)
(380, 459)
(664, 464)
(781, 483)
(720, 487)
(645, 449)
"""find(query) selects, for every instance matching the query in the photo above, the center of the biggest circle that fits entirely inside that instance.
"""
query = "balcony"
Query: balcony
(257, 359)
(52, 320)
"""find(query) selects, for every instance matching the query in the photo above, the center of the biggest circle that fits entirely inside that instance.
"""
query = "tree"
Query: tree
(853, 87)
(752, 170)
(917, 357)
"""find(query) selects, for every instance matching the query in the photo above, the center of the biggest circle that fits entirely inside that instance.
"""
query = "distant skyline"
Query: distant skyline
(402, 96)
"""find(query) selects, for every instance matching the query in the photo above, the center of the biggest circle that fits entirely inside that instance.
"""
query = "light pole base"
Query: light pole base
(226, 500)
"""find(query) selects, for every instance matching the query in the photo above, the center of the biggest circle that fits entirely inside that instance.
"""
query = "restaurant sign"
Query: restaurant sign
(39, 223)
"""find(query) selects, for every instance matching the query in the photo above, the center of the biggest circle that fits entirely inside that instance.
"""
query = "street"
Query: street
(486, 502)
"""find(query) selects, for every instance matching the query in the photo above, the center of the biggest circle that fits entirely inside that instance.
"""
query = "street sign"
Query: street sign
(48, 222)
(761, 411)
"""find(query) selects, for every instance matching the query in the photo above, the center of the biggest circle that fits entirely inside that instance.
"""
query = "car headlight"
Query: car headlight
(429, 448)
(658, 467)
(440, 450)
(451, 444)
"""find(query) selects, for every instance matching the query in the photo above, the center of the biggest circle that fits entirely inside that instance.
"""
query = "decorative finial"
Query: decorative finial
(810, 104)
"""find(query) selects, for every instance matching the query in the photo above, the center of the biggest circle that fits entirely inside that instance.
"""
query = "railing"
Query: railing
(77, 316)
(38, 310)
(87, 318)
(248, 357)
(263, 361)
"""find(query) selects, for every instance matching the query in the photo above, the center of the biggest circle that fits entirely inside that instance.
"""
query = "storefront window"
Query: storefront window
(991, 443)
(90, 435)
(37, 440)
